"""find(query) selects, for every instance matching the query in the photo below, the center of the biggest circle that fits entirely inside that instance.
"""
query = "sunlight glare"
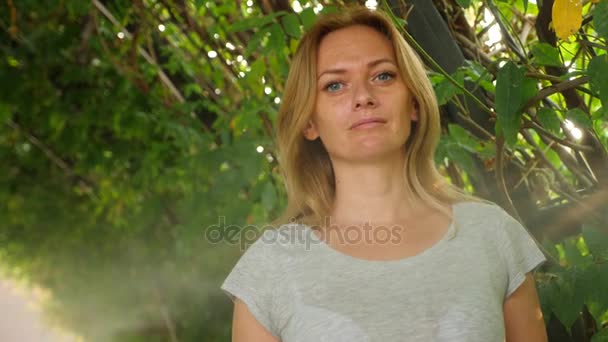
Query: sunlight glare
(296, 6)
(575, 131)
(494, 34)
(371, 4)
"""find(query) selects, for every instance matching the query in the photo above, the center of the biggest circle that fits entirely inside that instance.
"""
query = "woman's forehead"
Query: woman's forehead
(353, 41)
(353, 37)
(354, 44)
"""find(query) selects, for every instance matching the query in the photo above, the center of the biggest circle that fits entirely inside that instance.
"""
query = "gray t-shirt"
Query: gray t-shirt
(301, 289)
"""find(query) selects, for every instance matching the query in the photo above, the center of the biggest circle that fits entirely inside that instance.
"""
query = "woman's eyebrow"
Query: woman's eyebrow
(369, 65)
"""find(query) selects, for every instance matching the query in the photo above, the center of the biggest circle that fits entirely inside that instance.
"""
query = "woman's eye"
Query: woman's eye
(385, 76)
(333, 86)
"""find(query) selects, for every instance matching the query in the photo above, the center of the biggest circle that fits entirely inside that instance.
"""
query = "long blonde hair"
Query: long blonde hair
(305, 165)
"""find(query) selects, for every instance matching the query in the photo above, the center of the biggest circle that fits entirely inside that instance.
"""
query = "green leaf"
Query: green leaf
(600, 114)
(291, 25)
(463, 138)
(600, 18)
(254, 76)
(56, 123)
(547, 294)
(597, 71)
(597, 241)
(269, 196)
(441, 150)
(545, 54)
(250, 23)
(77, 8)
(574, 256)
(329, 9)
(277, 64)
(548, 119)
(560, 295)
(459, 146)
(579, 118)
(256, 41)
(276, 42)
(5, 112)
(293, 46)
(524, 5)
(600, 336)
(445, 89)
(199, 3)
(464, 3)
(593, 284)
(486, 149)
(479, 75)
(550, 247)
(192, 88)
(513, 89)
(462, 158)
(308, 17)
(570, 301)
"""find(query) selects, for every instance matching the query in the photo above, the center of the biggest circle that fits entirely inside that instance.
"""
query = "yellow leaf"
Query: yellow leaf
(567, 17)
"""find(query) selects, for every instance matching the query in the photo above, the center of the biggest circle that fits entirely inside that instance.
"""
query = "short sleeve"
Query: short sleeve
(253, 280)
(520, 252)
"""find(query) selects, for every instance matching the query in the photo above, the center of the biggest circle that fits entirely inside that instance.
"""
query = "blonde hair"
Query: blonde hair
(305, 165)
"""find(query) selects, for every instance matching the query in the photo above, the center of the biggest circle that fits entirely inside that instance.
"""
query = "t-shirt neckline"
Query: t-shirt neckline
(407, 260)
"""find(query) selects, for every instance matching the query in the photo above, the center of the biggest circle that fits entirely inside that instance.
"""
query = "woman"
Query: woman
(390, 251)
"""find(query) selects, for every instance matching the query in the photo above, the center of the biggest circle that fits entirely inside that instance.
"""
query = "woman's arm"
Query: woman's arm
(246, 328)
(523, 315)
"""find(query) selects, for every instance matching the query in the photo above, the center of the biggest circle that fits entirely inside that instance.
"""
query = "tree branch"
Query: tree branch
(161, 74)
(87, 185)
(555, 88)
(531, 124)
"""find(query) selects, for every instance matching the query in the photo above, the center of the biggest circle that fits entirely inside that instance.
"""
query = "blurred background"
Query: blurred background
(137, 161)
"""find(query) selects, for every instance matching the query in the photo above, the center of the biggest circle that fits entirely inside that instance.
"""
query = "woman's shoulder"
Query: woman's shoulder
(482, 213)
(480, 207)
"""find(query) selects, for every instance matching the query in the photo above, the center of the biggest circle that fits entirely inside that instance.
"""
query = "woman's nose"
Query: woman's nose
(363, 97)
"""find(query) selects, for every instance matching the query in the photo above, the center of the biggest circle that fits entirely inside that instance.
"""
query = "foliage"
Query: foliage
(128, 129)
(550, 110)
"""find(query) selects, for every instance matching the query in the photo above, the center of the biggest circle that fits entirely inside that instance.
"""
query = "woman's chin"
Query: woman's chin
(376, 153)
(378, 145)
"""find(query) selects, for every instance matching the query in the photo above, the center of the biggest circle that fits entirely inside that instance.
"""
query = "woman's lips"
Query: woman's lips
(368, 123)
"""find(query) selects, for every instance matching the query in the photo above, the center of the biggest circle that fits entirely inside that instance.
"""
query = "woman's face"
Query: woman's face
(357, 79)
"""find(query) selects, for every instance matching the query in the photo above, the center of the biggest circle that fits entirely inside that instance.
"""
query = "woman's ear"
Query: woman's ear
(414, 115)
(311, 132)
